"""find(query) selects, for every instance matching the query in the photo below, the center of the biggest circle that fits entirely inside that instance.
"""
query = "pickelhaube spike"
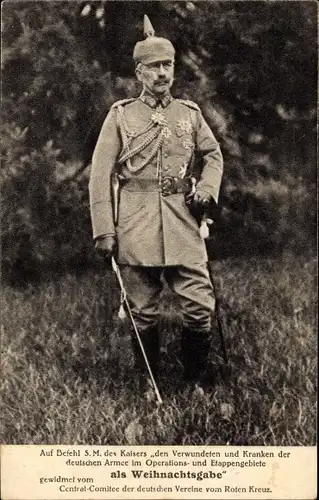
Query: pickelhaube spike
(148, 28)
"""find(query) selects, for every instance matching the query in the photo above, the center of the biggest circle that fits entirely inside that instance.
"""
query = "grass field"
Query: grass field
(67, 375)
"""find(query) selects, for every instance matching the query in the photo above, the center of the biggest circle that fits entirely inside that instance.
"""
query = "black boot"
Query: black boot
(151, 344)
(195, 351)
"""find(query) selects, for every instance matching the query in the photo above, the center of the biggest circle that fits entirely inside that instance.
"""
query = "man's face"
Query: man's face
(157, 77)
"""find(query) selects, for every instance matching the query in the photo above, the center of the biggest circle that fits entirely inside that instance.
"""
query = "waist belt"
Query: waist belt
(168, 185)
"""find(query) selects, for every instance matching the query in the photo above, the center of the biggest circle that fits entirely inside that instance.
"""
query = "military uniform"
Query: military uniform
(164, 141)
(151, 144)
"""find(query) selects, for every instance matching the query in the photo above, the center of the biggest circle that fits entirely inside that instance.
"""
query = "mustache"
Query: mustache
(162, 80)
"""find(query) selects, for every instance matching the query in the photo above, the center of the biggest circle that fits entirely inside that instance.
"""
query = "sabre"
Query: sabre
(128, 311)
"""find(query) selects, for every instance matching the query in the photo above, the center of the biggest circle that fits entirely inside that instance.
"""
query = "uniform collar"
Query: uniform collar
(154, 101)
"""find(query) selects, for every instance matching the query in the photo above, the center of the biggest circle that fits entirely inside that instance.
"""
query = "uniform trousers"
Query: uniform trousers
(191, 284)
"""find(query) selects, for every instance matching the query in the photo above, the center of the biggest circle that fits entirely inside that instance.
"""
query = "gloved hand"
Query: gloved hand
(106, 246)
(201, 198)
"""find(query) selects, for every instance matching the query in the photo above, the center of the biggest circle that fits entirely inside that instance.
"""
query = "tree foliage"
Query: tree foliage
(251, 66)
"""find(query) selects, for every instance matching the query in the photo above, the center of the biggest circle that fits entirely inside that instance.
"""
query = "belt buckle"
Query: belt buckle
(168, 185)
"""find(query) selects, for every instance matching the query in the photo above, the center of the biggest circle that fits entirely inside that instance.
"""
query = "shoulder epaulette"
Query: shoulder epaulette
(190, 104)
(123, 102)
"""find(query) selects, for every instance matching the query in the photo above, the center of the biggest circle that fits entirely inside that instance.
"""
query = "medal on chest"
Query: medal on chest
(158, 118)
(183, 127)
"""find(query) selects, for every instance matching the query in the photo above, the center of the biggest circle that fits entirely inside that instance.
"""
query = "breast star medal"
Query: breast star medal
(158, 118)
(183, 127)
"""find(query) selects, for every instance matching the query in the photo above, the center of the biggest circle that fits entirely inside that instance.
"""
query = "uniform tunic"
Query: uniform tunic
(143, 140)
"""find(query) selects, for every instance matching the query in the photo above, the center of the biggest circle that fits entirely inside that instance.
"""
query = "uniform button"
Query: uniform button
(165, 154)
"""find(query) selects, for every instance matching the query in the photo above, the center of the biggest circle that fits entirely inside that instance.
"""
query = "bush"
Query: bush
(265, 216)
(45, 211)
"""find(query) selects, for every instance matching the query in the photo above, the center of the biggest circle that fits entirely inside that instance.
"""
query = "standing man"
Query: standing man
(150, 142)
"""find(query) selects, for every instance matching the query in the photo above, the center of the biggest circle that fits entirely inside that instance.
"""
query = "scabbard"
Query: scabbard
(115, 194)
(218, 315)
